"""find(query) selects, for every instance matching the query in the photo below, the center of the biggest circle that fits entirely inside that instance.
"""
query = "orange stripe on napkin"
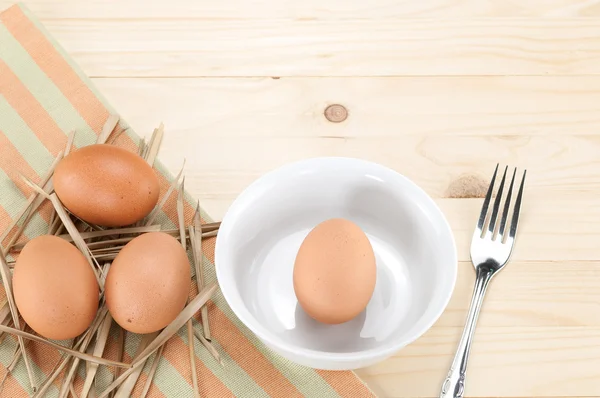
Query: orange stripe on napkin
(16, 390)
(5, 218)
(153, 392)
(31, 111)
(177, 353)
(345, 384)
(45, 358)
(56, 67)
(110, 351)
(43, 355)
(78, 382)
(13, 164)
(44, 212)
(247, 356)
(208, 248)
(139, 385)
(124, 141)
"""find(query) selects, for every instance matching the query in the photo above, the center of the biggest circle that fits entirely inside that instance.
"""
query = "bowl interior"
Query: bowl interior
(264, 228)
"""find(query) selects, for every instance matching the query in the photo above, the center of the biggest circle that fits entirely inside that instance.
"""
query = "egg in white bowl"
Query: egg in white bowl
(262, 233)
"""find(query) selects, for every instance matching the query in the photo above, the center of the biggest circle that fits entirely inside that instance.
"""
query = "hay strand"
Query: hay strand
(190, 335)
(128, 385)
(154, 145)
(75, 235)
(197, 258)
(107, 129)
(197, 242)
(209, 346)
(101, 339)
(152, 371)
(69, 146)
(180, 215)
(154, 213)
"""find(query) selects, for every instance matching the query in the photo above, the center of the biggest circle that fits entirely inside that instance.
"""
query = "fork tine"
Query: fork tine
(517, 209)
(494, 216)
(486, 202)
(504, 218)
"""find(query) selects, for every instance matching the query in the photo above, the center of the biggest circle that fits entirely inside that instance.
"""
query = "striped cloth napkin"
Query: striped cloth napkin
(44, 96)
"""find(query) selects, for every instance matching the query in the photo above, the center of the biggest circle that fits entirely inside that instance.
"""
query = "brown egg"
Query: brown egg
(335, 272)
(148, 283)
(106, 185)
(55, 288)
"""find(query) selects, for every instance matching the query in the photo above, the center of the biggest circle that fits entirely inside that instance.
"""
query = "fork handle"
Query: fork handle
(454, 385)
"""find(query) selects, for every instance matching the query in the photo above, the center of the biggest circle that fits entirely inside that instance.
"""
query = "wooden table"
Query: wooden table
(440, 90)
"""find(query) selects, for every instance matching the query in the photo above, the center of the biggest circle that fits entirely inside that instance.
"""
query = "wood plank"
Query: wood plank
(389, 107)
(314, 9)
(550, 229)
(505, 362)
(448, 170)
(245, 127)
(357, 47)
(447, 144)
(539, 294)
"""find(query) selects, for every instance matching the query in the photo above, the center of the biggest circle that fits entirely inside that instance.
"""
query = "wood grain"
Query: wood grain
(531, 294)
(243, 128)
(354, 47)
(439, 90)
(546, 124)
(378, 107)
(312, 9)
(505, 362)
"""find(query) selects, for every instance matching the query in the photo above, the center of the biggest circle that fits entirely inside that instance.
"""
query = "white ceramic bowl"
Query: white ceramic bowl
(262, 231)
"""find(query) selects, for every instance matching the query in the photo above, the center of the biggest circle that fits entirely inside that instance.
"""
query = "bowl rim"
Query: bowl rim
(309, 354)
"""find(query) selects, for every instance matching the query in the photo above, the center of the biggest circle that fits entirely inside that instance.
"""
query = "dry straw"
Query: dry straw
(103, 333)
(100, 246)
(152, 371)
(190, 326)
(127, 386)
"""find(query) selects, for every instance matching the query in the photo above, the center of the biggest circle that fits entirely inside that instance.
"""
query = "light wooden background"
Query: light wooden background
(440, 90)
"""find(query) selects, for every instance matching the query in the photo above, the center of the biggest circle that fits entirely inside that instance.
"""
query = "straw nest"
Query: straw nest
(100, 246)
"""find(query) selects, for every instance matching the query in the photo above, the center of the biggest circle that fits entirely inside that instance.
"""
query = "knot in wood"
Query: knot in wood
(336, 113)
(467, 186)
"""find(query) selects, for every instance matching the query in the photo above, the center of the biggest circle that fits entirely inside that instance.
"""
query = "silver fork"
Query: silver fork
(491, 248)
